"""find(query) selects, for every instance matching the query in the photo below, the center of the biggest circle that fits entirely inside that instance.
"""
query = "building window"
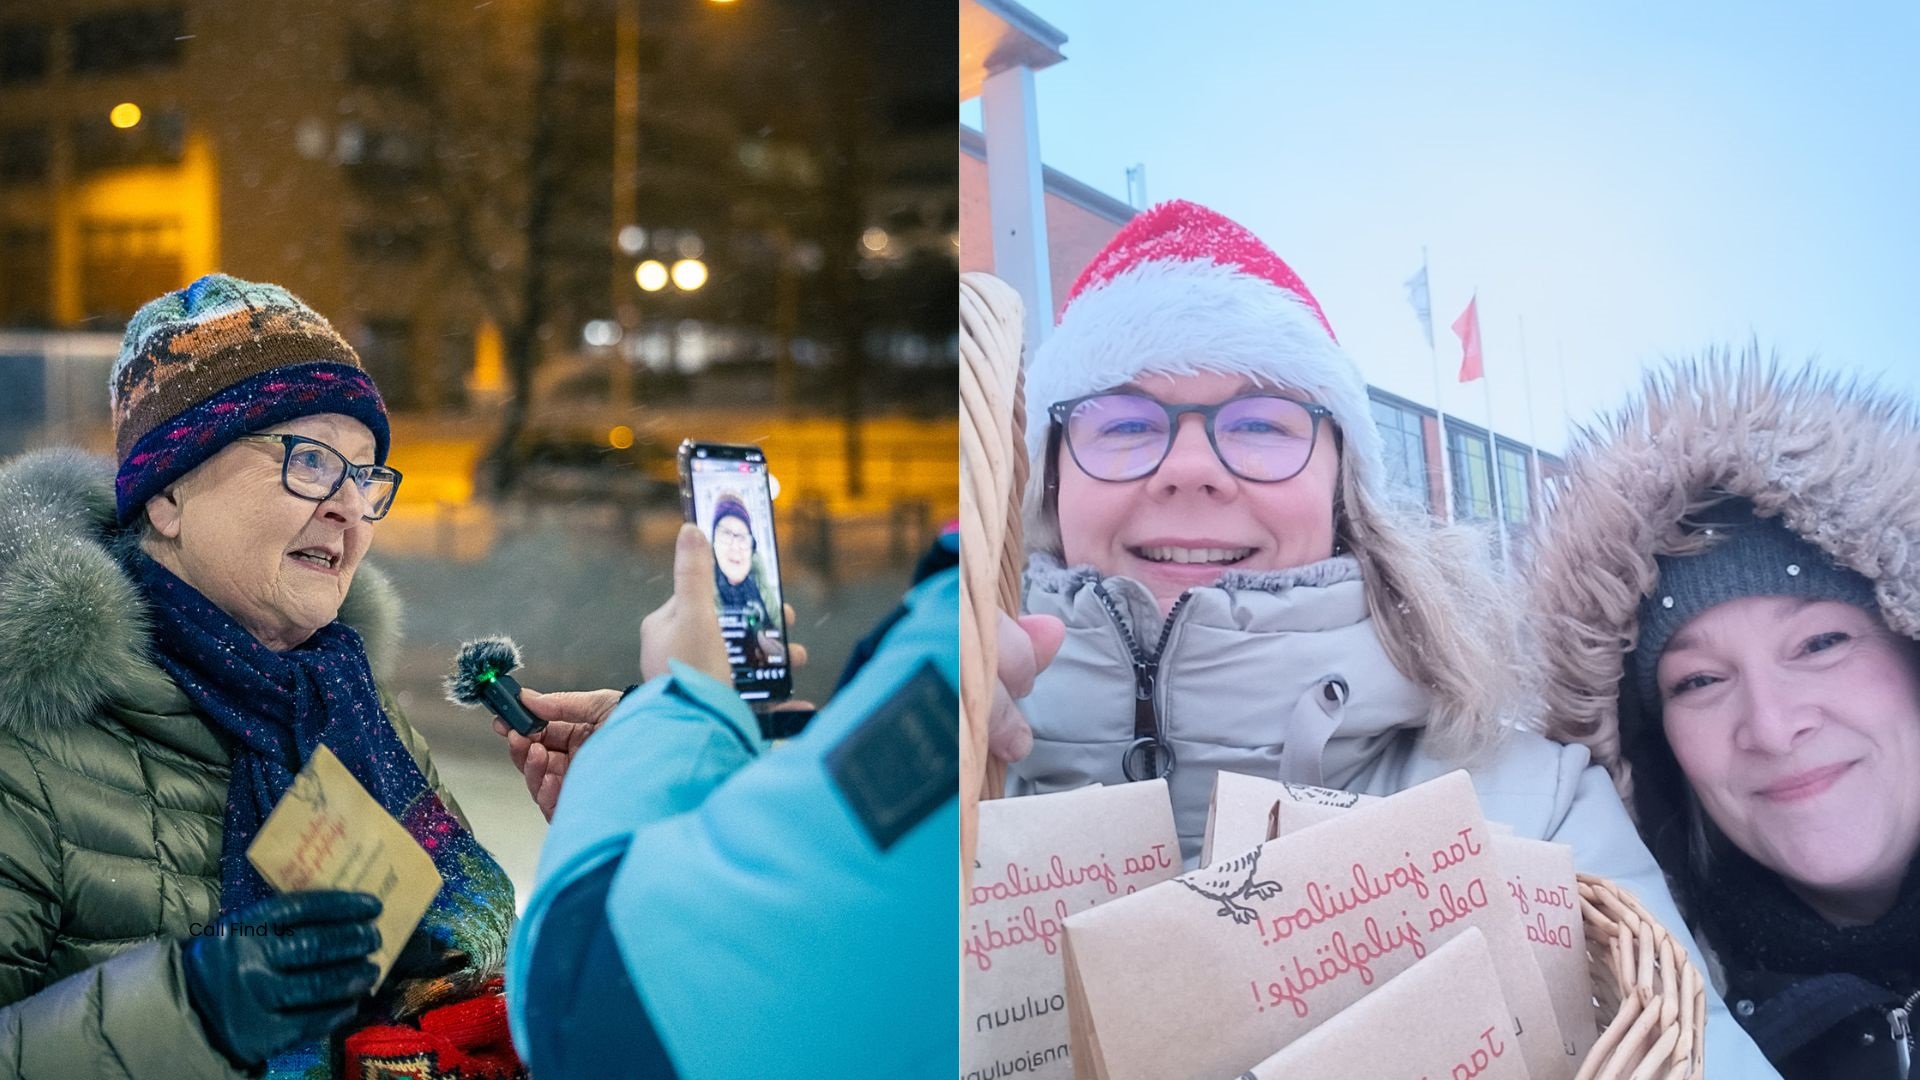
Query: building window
(456, 366)
(385, 347)
(1404, 439)
(125, 263)
(25, 154)
(1516, 492)
(24, 50)
(387, 243)
(159, 139)
(389, 60)
(26, 277)
(121, 41)
(382, 160)
(1472, 474)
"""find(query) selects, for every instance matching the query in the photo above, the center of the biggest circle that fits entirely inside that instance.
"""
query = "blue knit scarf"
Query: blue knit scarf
(271, 710)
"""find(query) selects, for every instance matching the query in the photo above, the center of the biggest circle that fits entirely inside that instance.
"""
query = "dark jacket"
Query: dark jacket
(1818, 1026)
(112, 792)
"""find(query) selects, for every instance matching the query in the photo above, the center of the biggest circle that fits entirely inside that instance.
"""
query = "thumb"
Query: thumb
(693, 568)
(1048, 633)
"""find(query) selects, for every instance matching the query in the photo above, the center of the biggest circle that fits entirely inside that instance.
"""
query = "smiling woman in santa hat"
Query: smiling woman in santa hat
(1208, 522)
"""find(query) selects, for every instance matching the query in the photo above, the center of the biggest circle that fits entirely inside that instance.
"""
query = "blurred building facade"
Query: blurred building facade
(250, 146)
(439, 178)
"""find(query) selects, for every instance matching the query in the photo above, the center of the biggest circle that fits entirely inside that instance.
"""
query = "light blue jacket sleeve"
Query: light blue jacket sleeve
(1606, 844)
(788, 910)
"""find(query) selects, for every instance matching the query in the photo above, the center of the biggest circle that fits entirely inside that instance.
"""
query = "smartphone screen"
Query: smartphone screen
(726, 493)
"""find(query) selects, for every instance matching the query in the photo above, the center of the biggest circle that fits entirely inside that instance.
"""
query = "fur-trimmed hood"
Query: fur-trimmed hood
(1835, 458)
(73, 628)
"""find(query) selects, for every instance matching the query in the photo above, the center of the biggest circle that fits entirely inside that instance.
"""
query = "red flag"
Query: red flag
(1468, 327)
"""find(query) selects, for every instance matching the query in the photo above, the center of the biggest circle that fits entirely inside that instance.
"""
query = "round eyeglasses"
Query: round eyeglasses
(314, 471)
(1265, 438)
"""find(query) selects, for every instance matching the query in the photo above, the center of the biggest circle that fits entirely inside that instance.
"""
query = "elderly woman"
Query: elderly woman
(1206, 519)
(739, 578)
(1747, 535)
(178, 640)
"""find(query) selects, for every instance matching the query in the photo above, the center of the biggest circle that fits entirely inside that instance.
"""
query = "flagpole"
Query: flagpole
(1439, 408)
(1533, 434)
(1566, 408)
(1493, 450)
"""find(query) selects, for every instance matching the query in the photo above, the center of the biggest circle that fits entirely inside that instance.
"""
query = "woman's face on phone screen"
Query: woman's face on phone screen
(733, 548)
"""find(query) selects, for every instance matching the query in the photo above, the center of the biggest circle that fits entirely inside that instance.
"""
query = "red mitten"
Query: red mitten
(467, 1039)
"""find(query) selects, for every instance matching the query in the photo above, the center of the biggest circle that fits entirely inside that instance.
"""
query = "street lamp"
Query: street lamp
(124, 115)
(689, 274)
(651, 275)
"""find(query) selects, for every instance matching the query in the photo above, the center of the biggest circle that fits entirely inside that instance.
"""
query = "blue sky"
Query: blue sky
(1629, 180)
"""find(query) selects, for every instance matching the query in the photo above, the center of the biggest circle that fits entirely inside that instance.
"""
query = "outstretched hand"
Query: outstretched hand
(543, 757)
(685, 628)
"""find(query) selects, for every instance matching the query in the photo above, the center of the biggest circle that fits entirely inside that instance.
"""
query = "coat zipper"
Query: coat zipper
(1146, 674)
(1900, 1019)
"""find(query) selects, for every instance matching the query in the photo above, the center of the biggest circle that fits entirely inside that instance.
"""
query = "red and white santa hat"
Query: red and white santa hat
(1181, 290)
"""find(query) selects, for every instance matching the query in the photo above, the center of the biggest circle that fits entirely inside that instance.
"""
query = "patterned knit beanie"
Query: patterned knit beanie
(729, 505)
(219, 359)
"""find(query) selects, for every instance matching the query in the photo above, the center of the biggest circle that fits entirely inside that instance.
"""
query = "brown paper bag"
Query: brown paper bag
(1539, 876)
(1239, 817)
(1444, 1017)
(1040, 859)
(1208, 974)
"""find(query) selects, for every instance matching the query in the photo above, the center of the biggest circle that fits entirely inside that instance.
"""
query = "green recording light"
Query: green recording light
(489, 676)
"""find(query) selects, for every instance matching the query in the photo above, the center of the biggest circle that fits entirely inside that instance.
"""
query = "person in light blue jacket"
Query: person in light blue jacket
(710, 907)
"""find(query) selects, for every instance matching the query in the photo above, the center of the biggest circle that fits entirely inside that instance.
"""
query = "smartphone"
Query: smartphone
(726, 491)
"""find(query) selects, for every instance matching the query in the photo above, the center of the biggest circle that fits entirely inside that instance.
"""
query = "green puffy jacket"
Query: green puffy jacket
(112, 792)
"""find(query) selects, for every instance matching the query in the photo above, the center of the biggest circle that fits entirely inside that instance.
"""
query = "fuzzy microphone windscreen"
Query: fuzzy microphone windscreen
(486, 658)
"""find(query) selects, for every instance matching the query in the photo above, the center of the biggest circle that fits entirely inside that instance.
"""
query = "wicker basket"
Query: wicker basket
(1642, 978)
(1648, 984)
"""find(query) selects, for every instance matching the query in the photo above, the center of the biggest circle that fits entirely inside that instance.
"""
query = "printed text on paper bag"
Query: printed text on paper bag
(1039, 922)
(1379, 934)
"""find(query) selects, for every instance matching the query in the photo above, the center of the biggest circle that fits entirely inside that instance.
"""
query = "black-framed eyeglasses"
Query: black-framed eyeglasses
(1121, 436)
(314, 471)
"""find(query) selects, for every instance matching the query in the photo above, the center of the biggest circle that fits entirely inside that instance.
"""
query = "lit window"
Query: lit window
(1472, 474)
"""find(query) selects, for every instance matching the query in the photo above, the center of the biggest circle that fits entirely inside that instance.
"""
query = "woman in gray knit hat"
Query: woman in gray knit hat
(1728, 606)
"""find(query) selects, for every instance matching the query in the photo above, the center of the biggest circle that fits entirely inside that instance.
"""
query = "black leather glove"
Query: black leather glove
(282, 972)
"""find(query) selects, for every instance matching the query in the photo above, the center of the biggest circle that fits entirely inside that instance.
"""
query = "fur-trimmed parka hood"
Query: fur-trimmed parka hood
(73, 627)
(1836, 459)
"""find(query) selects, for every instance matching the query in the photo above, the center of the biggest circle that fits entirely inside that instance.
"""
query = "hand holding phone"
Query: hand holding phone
(726, 493)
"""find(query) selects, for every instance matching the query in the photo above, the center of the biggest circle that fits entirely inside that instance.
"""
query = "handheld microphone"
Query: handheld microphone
(480, 678)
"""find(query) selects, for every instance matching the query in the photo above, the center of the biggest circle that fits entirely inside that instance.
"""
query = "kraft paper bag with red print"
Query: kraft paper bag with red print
(1540, 879)
(1040, 859)
(1239, 817)
(1211, 973)
(1538, 875)
(1442, 1018)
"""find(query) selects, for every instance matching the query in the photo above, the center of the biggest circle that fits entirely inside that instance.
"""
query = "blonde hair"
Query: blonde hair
(1436, 602)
